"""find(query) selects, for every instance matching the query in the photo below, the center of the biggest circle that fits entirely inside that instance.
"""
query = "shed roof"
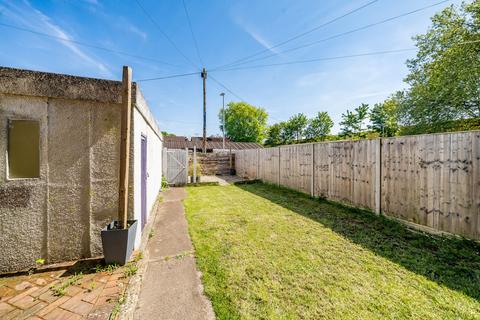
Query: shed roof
(181, 142)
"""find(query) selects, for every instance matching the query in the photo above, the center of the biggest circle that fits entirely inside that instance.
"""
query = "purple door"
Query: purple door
(143, 186)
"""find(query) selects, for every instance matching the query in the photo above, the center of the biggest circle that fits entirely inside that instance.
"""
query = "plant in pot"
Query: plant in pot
(118, 237)
(198, 172)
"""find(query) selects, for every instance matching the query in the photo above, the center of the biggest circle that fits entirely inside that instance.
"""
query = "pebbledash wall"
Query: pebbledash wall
(59, 215)
(430, 181)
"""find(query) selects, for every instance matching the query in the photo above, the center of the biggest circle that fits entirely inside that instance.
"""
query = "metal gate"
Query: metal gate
(175, 166)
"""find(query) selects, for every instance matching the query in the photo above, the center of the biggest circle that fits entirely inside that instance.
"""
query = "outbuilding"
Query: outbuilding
(59, 165)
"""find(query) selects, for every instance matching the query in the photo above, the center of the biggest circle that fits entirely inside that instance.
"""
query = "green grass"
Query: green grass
(271, 253)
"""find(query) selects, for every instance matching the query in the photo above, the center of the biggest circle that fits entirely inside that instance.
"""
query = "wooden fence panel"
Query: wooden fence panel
(364, 153)
(430, 180)
(341, 173)
(296, 167)
(322, 170)
(433, 180)
(251, 164)
(269, 165)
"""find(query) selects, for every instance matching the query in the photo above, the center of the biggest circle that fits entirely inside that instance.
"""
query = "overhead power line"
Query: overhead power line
(85, 44)
(164, 34)
(192, 33)
(300, 34)
(168, 77)
(317, 59)
(343, 33)
(226, 88)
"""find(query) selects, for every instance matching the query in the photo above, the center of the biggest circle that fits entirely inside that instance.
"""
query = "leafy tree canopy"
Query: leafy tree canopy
(384, 117)
(319, 127)
(244, 122)
(295, 127)
(444, 77)
(352, 122)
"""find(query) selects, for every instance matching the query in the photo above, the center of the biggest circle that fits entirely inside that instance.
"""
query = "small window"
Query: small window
(23, 149)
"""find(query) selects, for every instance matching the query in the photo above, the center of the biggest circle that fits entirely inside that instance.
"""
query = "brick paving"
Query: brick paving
(93, 296)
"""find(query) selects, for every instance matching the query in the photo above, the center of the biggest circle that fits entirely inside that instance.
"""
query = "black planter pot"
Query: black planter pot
(118, 243)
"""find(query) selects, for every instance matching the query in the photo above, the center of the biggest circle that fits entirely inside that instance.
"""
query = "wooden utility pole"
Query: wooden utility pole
(204, 77)
(125, 147)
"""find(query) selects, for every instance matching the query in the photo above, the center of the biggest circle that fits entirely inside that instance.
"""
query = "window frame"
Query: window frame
(7, 163)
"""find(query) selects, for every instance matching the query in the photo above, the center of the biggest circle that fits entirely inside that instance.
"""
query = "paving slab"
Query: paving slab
(171, 286)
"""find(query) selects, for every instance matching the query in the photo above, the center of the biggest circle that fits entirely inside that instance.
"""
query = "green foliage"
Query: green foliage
(319, 127)
(40, 261)
(164, 182)
(444, 76)
(165, 133)
(109, 268)
(352, 124)
(244, 122)
(59, 290)
(275, 134)
(295, 128)
(384, 117)
(130, 270)
(300, 129)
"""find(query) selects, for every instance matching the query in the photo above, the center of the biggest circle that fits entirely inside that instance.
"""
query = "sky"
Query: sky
(157, 42)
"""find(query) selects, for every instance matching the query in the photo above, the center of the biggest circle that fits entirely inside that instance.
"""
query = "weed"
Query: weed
(109, 268)
(151, 234)
(117, 307)
(92, 286)
(59, 290)
(130, 270)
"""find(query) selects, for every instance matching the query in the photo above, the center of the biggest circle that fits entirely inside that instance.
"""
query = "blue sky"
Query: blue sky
(225, 31)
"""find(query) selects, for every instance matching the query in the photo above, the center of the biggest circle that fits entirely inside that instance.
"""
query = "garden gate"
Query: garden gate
(175, 166)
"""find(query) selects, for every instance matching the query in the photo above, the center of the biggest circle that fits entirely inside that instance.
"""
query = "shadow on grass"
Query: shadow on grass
(454, 263)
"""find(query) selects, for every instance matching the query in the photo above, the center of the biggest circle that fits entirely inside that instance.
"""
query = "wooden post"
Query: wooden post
(125, 146)
(230, 159)
(204, 142)
(194, 164)
(378, 176)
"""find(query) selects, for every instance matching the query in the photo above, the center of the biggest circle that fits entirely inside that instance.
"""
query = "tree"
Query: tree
(244, 122)
(384, 117)
(275, 134)
(295, 127)
(444, 76)
(352, 122)
(319, 127)
(165, 133)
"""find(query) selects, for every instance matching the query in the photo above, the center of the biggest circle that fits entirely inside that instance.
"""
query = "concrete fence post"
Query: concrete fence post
(194, 164)
(312, 184)
(378, 176)
(279, 166)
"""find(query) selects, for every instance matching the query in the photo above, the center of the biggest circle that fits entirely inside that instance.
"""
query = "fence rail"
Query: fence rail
(431, 180)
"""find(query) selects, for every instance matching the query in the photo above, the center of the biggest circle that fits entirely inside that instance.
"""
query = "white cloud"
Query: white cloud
(255, 35)
(35, 19)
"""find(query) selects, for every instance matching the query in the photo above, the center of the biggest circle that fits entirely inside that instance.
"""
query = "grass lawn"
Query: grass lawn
(270, 253)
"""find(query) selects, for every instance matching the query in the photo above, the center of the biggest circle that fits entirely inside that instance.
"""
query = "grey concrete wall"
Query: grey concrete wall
(59, 216)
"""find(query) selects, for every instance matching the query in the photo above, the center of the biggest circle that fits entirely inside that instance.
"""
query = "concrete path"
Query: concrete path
(171, 287)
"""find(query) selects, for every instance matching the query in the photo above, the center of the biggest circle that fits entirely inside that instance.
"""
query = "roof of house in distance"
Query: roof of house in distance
(180, 142)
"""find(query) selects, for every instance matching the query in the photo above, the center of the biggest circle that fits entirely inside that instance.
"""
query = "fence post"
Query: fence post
(187, 164)
(312, 186)
(194, 164)
(378, 176)
(258, 163)
(279, 166)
